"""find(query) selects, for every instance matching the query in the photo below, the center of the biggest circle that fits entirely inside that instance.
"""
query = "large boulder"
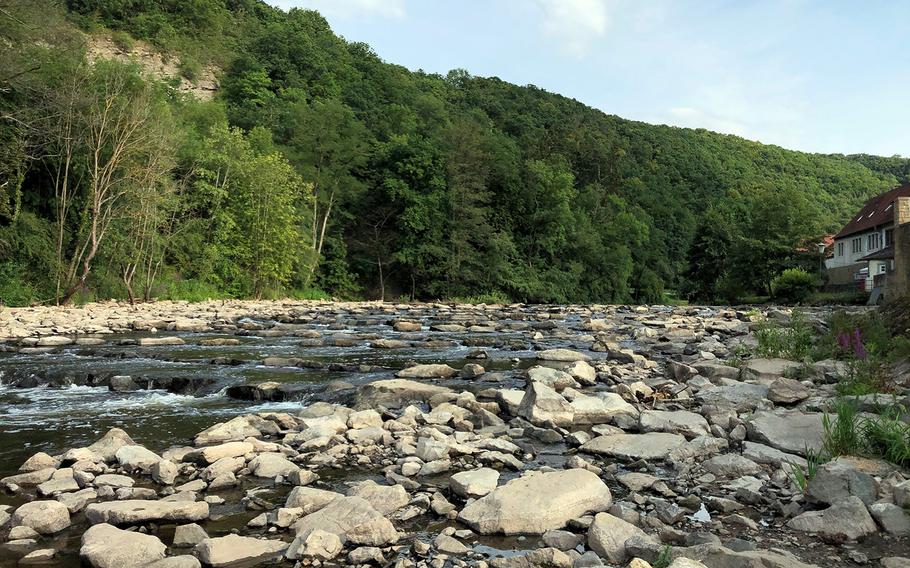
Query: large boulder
(233, 550)
(537, 502)
(607, 536)
(106, 546)
(543, 406)
(789, 431)
(132, 512)
(846, 520)
(43, 517)
(352, 519)
(650, 446)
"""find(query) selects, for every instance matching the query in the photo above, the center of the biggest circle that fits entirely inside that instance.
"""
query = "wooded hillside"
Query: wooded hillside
(320, 167)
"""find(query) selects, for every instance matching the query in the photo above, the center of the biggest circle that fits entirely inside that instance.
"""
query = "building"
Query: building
(863, 251)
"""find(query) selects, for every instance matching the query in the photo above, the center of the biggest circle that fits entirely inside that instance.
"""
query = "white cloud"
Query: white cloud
(575, 24)
(348, 8)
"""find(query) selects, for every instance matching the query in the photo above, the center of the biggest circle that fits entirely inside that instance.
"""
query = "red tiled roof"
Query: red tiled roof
(877, 211)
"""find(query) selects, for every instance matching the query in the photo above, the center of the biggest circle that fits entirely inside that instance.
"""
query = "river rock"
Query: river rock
(272, 465)
(44, 517)
(839, 479)
(137, 457)
(384, 498)
(212, 454)
(650, 446)
(846, 520)
(689, 424)
(107, 446)
(315, 544)
(431, 371)
(787, 391)
(891, 518)
(39, 461)
(538, 558)
(232, 550)
(234, 429)
(133, 512)
(543, 406)
(564, 355)
(767, 370)
(396, 392)
(717, 556)
(106, 546)
(537, 502)
(793, 432)
(189, 535)
(475, 482)
(553, 378)
(607, 536)
(159, 341)
(165, 472)
(310, 499)
(602, 408)
(731, 465)
(352, 519)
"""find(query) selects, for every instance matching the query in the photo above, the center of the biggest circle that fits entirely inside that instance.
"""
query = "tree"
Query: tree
(327, 145)
(106, 136)
(252, 195)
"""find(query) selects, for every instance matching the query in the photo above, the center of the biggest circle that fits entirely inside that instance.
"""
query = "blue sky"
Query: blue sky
(814, 75)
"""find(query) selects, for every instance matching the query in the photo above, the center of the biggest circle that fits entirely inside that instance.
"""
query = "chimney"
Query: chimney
(899, 284)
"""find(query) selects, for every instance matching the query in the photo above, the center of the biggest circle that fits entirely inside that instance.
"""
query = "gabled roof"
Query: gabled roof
(877, 211)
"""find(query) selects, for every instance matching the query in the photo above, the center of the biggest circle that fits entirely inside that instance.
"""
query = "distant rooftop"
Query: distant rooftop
(877, 211)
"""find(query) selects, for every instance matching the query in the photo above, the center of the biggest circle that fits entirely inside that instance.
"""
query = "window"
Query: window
(889, 237)
(881, 268)
(857, 245)
(874, 241)
(840, 249)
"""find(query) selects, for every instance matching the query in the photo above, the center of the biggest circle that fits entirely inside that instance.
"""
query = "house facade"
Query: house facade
(863, 251)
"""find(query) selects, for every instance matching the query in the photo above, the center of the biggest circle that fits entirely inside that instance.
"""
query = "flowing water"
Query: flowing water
(54, 417)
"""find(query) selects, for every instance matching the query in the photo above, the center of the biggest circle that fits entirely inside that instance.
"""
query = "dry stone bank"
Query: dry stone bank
(435, 435)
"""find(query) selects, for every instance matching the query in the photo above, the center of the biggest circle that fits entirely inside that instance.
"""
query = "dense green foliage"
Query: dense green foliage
(320, 166)
(792, 285)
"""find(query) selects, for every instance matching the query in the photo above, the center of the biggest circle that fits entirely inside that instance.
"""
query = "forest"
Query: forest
(318, 170)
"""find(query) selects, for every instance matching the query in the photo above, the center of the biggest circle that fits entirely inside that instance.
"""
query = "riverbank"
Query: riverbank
(424, 435)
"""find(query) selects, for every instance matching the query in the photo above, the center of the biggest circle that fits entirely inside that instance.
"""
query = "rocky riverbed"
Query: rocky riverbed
(367, 434)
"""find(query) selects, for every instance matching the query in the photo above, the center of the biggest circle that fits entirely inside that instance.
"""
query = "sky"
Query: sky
(826, 76)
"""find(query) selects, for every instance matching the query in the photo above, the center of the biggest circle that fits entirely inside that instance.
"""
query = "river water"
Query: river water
(52, 418)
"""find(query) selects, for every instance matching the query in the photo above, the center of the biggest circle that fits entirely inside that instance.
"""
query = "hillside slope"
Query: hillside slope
(441, 186)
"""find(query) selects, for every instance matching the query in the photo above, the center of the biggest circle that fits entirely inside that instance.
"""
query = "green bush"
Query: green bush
(793, 285)
(842, 431)
(190, 69)
(190, 290)
(122, 40)
(15, 290)
(793, 342)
